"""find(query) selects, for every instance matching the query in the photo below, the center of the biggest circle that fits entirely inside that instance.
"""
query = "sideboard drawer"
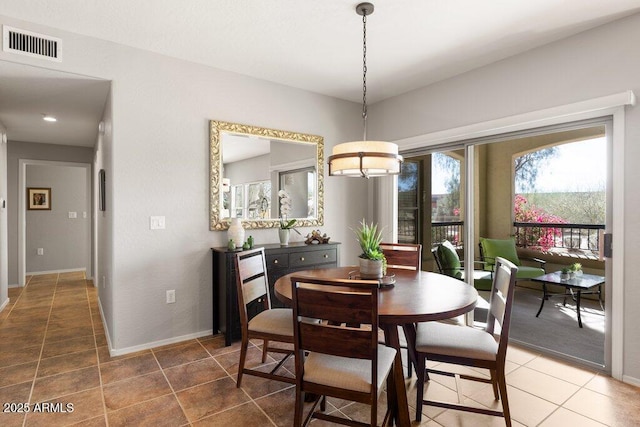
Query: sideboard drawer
(303, 258)
(277, 260)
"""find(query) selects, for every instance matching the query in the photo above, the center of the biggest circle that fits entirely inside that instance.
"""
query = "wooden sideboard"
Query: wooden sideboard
(281, 260)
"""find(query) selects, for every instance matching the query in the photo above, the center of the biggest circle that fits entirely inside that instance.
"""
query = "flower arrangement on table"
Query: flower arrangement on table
(285, 210)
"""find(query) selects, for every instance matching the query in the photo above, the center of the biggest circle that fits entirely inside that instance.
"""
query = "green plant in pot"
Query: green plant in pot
(372, 260)
(576, 268)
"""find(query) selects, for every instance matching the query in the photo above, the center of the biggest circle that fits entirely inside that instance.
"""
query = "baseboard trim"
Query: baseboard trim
(104, 326)
(154, 344)
(15, 285)
(68, 270)
(122, 351)
(631, 380)
(4, 304)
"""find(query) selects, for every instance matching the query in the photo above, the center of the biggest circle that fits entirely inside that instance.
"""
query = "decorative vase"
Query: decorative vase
(370, 269)
(572, 275)
(236, 232)
(283, 234)
(564, 276)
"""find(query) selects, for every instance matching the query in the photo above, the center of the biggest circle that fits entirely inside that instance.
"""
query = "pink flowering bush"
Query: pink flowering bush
(542, 237)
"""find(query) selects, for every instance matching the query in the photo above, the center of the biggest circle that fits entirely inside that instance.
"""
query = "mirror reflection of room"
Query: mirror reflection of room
(254, 169)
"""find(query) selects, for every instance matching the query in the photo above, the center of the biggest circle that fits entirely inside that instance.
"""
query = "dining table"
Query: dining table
(411, 298)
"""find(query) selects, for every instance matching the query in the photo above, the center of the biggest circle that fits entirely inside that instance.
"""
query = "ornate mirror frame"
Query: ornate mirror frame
(216, 129)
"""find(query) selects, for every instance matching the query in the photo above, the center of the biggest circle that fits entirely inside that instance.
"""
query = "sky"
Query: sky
(578, 166)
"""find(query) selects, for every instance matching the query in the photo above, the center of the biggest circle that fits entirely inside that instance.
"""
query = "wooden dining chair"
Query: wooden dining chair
(345, 362)
(402, 256)
(257, 319)
(468, 346)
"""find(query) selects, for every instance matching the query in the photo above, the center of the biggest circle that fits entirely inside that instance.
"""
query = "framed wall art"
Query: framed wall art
(38, 199)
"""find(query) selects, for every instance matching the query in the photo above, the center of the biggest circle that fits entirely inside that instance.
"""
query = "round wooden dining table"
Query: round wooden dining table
(416, 296)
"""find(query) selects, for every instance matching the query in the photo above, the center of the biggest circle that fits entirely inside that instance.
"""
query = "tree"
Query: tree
(528, 166)
(408, 179)
(449, 205)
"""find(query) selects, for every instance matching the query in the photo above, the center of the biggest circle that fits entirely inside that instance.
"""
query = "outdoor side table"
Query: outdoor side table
(582, 285)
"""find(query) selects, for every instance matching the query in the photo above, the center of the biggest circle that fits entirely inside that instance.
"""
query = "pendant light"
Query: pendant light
(365, 158)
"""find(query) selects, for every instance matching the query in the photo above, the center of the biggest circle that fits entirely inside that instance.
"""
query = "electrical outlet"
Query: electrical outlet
(40, 251)
(104, 282)
(171, 296)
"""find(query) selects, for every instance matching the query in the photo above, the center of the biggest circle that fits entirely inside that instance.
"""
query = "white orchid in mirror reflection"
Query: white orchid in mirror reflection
(285, 210)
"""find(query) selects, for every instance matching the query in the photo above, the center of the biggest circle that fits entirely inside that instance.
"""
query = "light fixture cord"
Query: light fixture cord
(364, 73)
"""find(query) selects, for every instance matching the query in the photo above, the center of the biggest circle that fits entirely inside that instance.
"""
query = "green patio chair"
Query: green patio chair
(490, 249)
(449, 263)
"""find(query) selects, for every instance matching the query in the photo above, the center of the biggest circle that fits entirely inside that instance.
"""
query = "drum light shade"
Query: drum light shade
(365, 159)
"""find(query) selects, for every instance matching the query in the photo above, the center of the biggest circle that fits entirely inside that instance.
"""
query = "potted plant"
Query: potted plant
(577, 269)
(564, 273)
(372, 260)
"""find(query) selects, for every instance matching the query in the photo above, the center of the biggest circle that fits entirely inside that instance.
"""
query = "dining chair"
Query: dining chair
(257, 319)
(345, 362)
(404, 256)
(468, 346)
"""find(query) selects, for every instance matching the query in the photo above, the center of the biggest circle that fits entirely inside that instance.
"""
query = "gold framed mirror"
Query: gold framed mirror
(249, 165)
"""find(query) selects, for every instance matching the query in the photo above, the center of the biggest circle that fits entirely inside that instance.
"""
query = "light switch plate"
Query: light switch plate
(73, 215)
(156, 223)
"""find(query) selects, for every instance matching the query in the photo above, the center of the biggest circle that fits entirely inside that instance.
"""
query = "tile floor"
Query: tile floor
(53, 349)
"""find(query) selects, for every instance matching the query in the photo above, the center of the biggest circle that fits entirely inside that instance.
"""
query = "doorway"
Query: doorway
(520, 183)
(59, 239)
(612, 106)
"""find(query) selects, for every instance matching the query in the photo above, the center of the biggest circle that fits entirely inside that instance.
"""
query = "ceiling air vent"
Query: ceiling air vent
(27, 43)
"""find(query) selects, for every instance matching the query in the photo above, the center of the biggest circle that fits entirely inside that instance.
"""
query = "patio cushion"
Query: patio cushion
(449, 259)
(483, 283)
(493, 248)
(528, 272)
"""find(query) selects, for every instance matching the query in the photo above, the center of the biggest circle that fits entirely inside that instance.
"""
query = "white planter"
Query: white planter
(284, 234)
(564, 276)
(370, 269)
(236, 232)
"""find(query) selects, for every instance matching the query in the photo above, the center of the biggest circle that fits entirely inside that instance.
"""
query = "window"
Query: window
(562, 187)
(408, 202)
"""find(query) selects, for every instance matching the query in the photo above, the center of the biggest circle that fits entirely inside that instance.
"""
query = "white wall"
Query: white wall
(104, 220)
(599, 62)
(159, 154)
(66, 242)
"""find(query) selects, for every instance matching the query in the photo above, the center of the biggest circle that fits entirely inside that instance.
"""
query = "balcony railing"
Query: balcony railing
(576, 238)
(452, 231)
